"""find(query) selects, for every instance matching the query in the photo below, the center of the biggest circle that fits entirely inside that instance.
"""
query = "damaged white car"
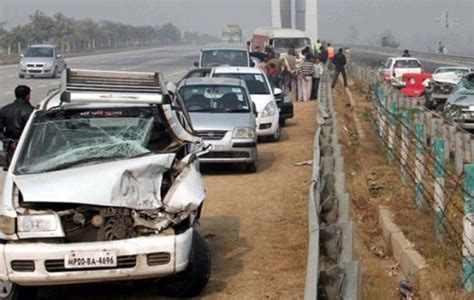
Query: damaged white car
(103, 187)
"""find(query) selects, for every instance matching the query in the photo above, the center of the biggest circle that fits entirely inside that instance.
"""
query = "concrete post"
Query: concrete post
(439, 201)
(458, 152)
(405, 144)
(391, 131)
(468, 232)
(419, 165)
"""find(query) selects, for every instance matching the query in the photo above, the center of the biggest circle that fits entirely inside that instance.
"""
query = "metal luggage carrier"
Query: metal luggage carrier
(78, 85)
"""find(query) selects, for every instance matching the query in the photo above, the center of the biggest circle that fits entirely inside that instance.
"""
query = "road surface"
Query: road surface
(374, 59)
(171, 61)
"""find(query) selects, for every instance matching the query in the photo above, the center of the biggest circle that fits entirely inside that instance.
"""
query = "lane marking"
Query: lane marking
(8, 93)
(54, 83)
(42, 86)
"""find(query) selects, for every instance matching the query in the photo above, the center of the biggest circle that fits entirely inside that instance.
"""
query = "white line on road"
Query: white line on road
(54, 83)
(8, 93)
(42, 86)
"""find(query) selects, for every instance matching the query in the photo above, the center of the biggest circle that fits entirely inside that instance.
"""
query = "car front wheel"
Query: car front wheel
(193, 280)
(11, 291)
(276, 136)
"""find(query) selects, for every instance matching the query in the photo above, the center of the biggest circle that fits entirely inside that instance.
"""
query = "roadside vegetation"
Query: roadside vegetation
(87, 35)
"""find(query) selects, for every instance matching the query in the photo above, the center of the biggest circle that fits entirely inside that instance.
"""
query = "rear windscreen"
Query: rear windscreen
(407, 64)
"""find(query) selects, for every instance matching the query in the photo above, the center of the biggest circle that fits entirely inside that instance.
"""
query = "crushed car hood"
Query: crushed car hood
(132, 183)
(447, 77)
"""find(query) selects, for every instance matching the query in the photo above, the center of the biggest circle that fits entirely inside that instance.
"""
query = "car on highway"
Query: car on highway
(231, 54)
(102, 187)
(459, 107)
(42, 61)
(442, 84)
(394, 67)
(261, 93)
(223, 115)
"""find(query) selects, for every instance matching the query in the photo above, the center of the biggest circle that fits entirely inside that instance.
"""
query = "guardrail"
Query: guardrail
(435, 157)
(454, 59)
(332, 272)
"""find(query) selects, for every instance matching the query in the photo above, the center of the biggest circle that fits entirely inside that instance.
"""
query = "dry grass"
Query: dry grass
(368, 159)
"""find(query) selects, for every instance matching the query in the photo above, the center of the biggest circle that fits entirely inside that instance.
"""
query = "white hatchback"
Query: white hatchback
(261, 93)
(394, 68)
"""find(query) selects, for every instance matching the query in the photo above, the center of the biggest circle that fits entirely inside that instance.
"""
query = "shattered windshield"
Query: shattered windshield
(64, 139)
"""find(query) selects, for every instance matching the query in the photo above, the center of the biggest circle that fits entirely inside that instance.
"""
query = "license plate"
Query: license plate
(96, 259)
(218, 147)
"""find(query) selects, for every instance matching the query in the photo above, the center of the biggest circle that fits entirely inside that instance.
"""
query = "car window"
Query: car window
(39, 52)
(237, 58)
(288, 43)
(407, 63)
(256, 83)
(215, 98)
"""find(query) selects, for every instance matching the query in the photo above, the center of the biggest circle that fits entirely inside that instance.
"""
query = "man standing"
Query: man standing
(317, 47)
(305, 79)
(13, 118)
(339, 62)
(331, 52)
(291, 73)
(318, 72)
(323, 55)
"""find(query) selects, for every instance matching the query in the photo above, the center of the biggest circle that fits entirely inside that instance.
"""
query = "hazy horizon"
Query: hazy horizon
(412, 23)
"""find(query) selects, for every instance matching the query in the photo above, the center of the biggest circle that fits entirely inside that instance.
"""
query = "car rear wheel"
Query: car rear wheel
(193, 280)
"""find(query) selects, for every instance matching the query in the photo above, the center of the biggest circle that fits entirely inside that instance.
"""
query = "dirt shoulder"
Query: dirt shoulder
(257, 224)
(372, 181)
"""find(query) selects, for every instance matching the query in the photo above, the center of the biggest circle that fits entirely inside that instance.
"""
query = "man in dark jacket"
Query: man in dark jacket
(339, 62)
(13, 118)
(323, 55)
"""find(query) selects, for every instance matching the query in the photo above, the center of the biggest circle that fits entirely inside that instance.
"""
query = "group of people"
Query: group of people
(300, 73)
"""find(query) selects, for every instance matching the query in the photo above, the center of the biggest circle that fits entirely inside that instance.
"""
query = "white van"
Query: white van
(280, 39)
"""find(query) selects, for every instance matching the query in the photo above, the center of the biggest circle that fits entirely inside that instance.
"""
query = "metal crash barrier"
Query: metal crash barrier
(332, 272)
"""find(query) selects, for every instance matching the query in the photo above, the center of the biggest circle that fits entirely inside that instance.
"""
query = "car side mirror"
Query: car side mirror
(58, 56)
(22, 55)
(196, 64)
(277, 92)
(171, 87)
(254, 107)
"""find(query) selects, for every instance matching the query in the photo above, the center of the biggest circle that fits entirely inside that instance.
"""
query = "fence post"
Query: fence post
(419, 165)
(468, 232)
(391, 130)
(404, 148)
(439, 188)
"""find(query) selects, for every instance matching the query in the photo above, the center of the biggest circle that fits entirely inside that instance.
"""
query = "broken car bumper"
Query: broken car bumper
(138, 258)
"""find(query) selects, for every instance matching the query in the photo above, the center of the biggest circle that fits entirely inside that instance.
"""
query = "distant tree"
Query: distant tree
(388, 40)
(352, 35)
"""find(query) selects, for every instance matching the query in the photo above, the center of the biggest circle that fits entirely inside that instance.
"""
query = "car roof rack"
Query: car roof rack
(112, 86)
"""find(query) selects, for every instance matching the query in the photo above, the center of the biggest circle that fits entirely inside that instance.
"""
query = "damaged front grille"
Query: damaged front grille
(123, 262)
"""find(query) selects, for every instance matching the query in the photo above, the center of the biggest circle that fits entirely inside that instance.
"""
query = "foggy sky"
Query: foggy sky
(411, 21)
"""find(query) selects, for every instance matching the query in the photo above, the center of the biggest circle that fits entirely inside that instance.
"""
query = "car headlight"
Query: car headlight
(243, 133)
(48, 65)
(269, 110)
(7, 225)
(37, 223)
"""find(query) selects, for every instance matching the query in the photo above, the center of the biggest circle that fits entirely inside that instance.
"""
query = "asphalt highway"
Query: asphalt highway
(172, 62)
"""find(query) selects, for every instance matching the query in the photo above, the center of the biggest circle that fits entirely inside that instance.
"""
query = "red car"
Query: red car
(414, 84)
